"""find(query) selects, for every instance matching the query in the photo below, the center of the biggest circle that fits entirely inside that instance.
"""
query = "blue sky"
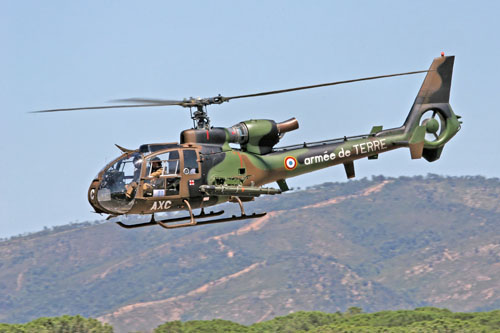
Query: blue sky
(69, 54)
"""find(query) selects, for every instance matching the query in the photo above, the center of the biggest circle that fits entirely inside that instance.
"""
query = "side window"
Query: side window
(166, 164)
(190, 162)
(172, 166)
(160, 169)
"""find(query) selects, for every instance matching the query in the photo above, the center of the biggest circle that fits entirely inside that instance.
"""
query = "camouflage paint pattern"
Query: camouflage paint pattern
(223, 169)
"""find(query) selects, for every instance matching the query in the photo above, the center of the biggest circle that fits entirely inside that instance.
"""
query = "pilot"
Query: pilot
(155, 181)
(147, 188)
(156, 168)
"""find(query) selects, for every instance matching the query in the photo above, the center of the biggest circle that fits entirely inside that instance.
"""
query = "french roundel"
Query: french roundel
(290, 163)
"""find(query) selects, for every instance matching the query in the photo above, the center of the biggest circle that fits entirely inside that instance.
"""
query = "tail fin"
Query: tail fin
(432, 111)
(437, 83)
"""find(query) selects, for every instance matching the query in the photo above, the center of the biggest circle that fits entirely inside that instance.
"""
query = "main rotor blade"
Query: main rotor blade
(101, 107)
(148, 100)
(213, 100)
(320, 85)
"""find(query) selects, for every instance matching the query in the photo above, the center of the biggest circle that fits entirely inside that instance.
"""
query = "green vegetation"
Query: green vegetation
(201, 326)
(64, 324)
(420, 320)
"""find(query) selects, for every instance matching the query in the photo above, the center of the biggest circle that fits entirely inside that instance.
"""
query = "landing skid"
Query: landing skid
(225, 219)
(171, 223)
(178, 219)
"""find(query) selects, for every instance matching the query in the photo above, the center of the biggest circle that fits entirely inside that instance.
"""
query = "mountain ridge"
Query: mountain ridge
(384, 243)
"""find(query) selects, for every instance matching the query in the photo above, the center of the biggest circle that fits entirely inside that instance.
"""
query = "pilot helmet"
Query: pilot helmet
(156, 162)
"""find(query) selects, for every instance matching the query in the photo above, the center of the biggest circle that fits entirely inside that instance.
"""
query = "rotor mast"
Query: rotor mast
(200, 117)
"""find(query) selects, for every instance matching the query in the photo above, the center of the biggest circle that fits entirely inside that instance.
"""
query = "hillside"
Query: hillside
(378, 244)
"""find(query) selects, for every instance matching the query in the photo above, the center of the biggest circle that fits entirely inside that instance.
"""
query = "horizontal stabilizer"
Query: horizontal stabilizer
(375, 129)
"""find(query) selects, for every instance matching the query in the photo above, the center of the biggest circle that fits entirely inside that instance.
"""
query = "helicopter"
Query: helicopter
(203, 170)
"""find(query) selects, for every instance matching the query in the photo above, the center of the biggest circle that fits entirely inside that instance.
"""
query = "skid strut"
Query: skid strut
(191, 223)
(167, 223)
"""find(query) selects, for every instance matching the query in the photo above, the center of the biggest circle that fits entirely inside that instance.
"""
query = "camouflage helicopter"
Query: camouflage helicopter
(204, 170)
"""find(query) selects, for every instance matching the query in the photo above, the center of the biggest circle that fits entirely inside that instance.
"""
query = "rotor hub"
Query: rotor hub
(431, 125)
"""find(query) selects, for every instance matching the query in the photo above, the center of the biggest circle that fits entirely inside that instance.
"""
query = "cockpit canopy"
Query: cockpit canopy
(116, 180)
(155, 170)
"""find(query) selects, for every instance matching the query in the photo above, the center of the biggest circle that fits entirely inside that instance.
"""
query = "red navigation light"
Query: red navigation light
(442, 54)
